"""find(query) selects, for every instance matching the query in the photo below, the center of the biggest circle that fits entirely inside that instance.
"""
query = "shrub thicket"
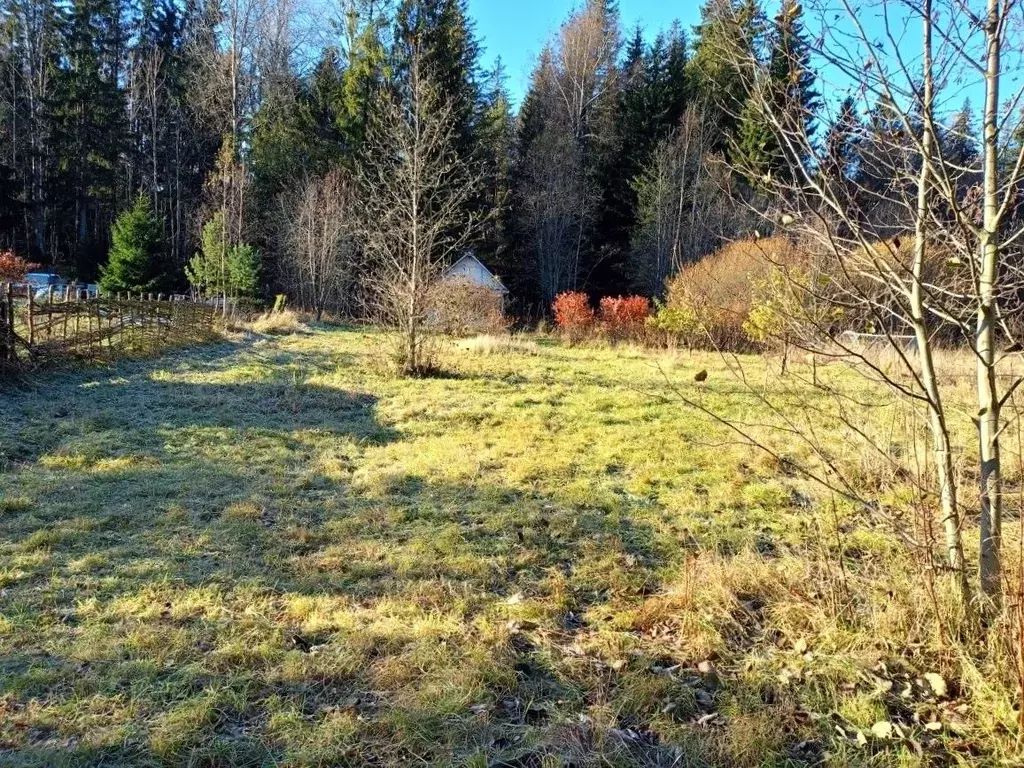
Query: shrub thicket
(573, 315)
(463, 308)
(619, 318)
(708, 303)
(624, 318)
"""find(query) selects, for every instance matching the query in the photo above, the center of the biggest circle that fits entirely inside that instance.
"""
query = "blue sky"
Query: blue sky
(517, 29)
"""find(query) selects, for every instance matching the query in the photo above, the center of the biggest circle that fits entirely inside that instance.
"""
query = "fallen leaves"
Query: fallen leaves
(883, 729)
(937, 684)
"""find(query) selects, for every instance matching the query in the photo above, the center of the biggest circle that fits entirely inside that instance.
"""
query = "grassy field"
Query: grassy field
(269, 552)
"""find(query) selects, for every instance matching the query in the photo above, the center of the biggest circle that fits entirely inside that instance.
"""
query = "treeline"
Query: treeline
(205, 120)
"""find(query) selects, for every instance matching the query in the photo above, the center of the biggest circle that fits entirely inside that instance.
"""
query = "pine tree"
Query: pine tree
(221, 268)
(136, 242)
(324, 96)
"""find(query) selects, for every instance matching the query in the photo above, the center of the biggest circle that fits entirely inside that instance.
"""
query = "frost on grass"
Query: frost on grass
(271, 553)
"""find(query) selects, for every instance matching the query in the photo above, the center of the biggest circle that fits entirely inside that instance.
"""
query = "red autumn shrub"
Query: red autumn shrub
(625, 317)
(14, 268)
(573, 314)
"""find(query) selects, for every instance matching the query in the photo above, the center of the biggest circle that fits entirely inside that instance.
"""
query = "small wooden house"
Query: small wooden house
(471, 270)
(468, 298)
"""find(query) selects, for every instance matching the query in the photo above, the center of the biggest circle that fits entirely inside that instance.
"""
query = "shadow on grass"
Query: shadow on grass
(199, 575)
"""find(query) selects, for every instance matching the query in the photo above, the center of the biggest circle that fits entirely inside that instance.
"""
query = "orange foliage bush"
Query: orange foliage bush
(573, 314)
(14, 268)
(625, 317)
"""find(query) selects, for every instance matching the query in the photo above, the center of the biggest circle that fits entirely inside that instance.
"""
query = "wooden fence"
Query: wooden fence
(71, 323)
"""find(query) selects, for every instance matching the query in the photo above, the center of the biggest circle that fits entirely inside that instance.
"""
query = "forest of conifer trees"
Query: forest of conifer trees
(634, 152)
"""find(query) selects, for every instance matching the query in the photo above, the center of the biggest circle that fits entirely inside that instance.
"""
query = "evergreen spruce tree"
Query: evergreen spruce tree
(363, 74)
(839, 153)
(206, 271)
(11, 208)
(677, 84)
(449, 51)
(496, 130)
(960, 147)
(88, 110)
(729, 31)
(136, 242)
(292, 136)
(651, 100)
(243, 267)
(219, 268)
(634, 128)
(789, 87)
(878, 152)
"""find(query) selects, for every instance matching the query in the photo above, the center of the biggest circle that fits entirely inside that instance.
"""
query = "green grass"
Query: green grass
(272, 553)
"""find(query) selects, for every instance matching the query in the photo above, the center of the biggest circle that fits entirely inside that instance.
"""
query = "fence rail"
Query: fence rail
(70, 323)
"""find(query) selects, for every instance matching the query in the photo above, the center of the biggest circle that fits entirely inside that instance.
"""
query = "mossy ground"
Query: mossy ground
(270, 552)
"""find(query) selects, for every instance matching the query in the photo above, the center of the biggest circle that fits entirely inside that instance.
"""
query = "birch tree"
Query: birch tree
(320, 259)
(684, 206)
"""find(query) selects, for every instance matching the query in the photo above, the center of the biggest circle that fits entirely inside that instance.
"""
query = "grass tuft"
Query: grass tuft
(279, 323)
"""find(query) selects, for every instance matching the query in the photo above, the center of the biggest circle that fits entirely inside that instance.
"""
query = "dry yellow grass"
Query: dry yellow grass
(281, 322)
(493, 344)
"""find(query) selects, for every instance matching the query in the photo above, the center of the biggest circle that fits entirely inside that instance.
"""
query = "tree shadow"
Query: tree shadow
(203, 577)
(411, 542)
(133, 405)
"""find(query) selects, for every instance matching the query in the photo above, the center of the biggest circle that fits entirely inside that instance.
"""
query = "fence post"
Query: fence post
(11, 351)
(31, 316)
(66, 307)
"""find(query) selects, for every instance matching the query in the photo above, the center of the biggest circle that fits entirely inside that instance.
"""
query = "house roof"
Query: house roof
(492, 278)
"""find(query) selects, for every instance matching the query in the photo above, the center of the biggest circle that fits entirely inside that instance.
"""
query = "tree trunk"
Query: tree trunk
(936, 410)
(988, 399)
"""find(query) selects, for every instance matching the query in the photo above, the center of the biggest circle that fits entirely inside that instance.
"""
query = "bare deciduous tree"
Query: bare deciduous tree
(684, 205)
(587, 51)
(415, 193)
(907, 188)
(320, 251)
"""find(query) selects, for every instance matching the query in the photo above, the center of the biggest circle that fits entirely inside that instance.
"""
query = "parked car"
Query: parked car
(41, 283)
(44, 279)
